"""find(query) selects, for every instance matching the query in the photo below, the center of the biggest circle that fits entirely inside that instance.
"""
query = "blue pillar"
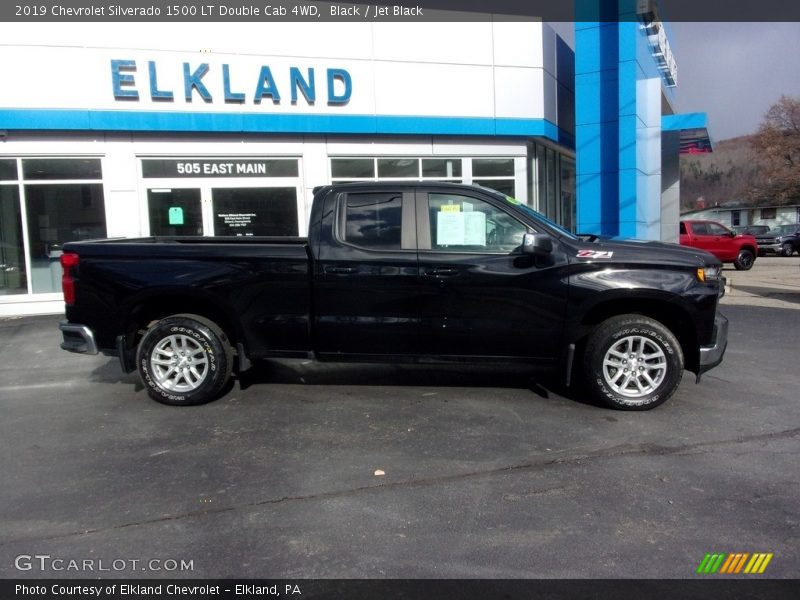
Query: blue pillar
(596, 126)
(617, 123)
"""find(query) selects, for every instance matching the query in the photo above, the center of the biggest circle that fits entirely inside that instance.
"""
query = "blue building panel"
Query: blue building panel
(595, 48)
(596, 97)
(628, 141)
(620, 87)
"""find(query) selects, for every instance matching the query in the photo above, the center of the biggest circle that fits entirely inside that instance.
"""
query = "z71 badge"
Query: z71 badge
(595, 254)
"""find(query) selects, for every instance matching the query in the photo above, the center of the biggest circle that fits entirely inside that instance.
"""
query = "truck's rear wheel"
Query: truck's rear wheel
(632, 362)
(184, 360)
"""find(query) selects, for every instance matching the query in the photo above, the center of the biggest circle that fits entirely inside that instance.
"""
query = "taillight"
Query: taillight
(69, 262)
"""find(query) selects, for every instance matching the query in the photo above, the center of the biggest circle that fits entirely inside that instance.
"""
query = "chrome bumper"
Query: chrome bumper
(711, 356)
(77, 338)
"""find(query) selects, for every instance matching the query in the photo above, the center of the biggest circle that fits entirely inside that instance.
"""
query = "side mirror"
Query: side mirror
(537, 243)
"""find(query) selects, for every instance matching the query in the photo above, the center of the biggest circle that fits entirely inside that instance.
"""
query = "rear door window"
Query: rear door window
(374, 220)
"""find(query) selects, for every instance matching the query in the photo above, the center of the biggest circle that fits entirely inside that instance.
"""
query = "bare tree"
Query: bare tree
(778, 146)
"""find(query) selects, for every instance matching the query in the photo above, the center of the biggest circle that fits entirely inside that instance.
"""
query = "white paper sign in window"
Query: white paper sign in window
(474, 229)
(450, 229)
(461, 229)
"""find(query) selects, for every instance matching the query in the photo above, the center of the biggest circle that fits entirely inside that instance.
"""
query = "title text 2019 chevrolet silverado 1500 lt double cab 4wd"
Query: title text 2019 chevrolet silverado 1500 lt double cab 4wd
(400, 271)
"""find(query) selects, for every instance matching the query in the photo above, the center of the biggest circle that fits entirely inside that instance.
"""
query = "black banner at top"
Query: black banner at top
(395, 10)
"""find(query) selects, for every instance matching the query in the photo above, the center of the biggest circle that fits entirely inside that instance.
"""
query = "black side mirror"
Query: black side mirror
(537, 243)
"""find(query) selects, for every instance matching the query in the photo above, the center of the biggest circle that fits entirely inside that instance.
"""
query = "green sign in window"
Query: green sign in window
(175, 215)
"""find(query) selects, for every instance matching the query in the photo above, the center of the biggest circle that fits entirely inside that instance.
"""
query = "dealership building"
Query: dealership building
(121, 130)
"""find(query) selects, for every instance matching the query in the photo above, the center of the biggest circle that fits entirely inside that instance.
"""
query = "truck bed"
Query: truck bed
(262, 281)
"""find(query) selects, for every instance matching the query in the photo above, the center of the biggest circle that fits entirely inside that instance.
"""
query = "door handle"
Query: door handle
(340, 270)
(442, 272)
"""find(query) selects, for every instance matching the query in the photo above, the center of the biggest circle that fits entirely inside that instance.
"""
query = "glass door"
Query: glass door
(175, 211)
(12, 249)
(248, 211)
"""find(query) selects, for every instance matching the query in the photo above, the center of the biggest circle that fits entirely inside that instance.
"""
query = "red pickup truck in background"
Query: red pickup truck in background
(720, 241)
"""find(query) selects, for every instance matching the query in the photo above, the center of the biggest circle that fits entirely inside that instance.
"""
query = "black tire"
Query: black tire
(191, 344)
(637, 335)
(745, 260)
(787, 249)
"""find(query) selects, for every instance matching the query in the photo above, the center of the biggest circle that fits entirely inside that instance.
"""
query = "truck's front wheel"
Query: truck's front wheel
(632, 362)
(184, 360)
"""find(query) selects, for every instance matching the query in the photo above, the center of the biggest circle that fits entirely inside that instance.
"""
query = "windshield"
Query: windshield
(538, 216)
(781, 230)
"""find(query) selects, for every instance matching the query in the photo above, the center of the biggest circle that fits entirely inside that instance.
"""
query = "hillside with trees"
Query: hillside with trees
(761, 169)
(728, 175)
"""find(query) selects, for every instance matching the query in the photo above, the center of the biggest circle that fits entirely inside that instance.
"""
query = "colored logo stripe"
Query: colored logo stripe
(758, 563)
(734, 563)
(710, 563)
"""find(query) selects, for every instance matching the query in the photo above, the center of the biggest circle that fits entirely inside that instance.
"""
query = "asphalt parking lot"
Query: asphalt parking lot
(486, 473)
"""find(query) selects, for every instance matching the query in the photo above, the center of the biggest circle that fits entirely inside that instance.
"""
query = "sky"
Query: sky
(735, 71)
(731, 71)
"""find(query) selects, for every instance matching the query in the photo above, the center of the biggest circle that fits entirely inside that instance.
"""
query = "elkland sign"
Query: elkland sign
(127, 84)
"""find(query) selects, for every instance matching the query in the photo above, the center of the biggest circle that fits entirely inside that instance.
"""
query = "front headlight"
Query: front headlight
(708, 274)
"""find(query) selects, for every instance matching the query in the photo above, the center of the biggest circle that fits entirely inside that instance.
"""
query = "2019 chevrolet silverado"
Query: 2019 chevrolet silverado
(418, 272)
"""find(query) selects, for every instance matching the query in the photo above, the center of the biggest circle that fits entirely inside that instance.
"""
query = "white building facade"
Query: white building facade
(111, 130)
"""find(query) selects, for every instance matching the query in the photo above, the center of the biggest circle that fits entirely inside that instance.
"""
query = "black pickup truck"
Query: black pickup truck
(400, 272)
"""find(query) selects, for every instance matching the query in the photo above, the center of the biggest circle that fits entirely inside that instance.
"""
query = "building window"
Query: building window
(13, 274)
(59, 168)
(224, 197)
(567, 189)
(8, 170)
(345, 170)
(736, 218)
(398, 168)
(441, 168)
(240, 212)
(769, 213)
(550, 177)
(493, 167)
(352, 168)
(554, 185)
(175, 212)
(61, 201)
(495, 173)
(60, 210)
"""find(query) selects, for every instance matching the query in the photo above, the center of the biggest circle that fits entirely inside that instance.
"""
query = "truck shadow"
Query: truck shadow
(544, 385)
(304, 372)
(110, 372)
(766, 292)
